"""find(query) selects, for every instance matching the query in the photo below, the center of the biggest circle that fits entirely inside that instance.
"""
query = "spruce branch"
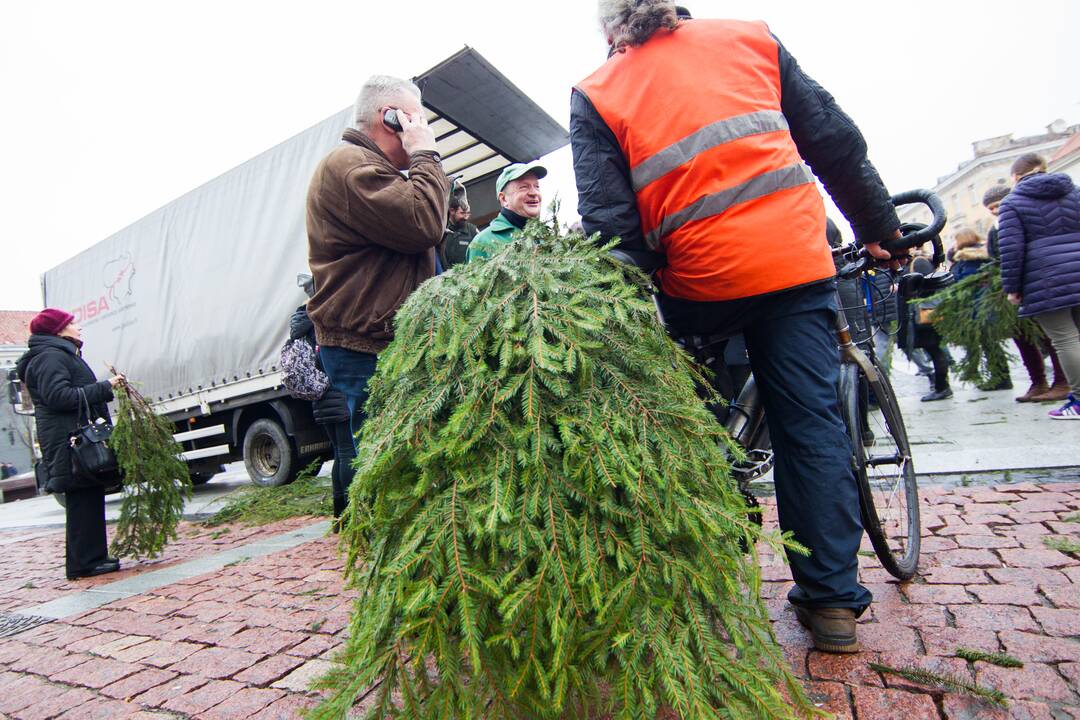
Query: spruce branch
(156, 481)
(997, 658)
(946, 682)
(543, 522)
(976, 315)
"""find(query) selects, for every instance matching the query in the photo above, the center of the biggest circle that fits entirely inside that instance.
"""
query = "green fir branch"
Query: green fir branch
(997, 658)
(543, 522)
(1063, 543)
(156, 481)
(976, 315)
(308, 495)
(946, 682)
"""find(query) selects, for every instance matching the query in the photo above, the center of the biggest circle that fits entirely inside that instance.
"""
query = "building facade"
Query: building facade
(962, 190)
(16, 431)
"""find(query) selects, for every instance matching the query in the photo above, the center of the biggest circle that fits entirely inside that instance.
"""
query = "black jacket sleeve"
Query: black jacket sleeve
(835, 150)
(606, 200)
(54, 381)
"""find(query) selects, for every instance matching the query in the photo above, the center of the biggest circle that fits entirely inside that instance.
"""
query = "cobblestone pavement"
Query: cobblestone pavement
(245, 641)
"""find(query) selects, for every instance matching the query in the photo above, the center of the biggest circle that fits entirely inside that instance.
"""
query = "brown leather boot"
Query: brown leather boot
(1056, 393)
(1035, 389)
(833, 629)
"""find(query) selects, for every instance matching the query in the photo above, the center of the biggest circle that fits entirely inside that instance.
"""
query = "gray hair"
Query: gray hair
(632, 22)
(378, 90)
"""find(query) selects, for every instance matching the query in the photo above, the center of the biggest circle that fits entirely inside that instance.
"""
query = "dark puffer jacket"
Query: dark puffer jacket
(54, 372)
(333, 406)
(1039, 225)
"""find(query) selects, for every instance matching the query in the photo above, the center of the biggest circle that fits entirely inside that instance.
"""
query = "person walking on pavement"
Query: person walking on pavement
(689, 141)
(918, 333)
(61, 386)
(1040, 262)
(372, 231)
(1032, 354)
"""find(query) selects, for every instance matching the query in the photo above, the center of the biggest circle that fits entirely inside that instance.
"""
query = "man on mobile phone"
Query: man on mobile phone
(372, 231)
(690, 141)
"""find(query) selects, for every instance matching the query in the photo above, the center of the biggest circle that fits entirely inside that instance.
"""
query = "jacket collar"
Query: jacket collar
(355, 137)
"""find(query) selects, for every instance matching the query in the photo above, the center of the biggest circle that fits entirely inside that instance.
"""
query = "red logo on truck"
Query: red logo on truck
(116, 276)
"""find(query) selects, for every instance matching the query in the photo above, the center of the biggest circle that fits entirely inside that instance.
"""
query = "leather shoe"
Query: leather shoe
(1033, 391)
(833, 629)
(1056, 393)
(102, 568)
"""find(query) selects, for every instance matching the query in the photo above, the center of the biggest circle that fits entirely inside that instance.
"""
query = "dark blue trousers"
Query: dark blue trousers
(349, 371)
(791, 341)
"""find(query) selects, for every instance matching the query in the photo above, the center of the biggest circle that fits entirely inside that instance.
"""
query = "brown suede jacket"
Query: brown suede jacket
(371, 238)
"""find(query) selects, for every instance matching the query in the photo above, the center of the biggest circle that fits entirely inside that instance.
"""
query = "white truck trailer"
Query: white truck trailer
(193, 301)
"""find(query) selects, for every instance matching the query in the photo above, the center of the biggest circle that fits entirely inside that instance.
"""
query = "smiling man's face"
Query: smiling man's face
(522, 196)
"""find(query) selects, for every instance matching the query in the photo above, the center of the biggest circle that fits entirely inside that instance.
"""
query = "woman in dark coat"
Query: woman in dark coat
(58, 380)
(1039, 226)
(332, 412)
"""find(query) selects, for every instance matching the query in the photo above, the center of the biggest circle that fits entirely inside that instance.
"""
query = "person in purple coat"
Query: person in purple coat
(1039, 235)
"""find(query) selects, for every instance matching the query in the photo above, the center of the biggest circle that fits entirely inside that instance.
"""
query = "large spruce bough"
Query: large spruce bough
(542, 523)
(976, 315)
(156, 481)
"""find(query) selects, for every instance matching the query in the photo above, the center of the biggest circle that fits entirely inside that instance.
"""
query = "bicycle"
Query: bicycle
(881, 451)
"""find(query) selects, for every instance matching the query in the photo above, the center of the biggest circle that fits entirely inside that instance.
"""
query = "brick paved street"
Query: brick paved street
(245, 641)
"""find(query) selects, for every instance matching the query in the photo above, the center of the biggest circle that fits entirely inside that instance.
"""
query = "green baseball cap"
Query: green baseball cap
(517, 170)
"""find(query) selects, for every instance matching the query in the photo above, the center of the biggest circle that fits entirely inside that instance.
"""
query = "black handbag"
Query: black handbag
(93, 462)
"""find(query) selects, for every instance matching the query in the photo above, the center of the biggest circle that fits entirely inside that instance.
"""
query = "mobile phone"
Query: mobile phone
(391, 119)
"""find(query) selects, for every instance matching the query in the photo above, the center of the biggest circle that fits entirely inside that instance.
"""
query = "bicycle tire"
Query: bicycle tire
(884, 473)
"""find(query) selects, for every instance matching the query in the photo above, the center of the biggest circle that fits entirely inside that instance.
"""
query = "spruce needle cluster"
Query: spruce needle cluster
(976, 315)
(156, 481)
(944, 681)
(543, 523)
(255, 505)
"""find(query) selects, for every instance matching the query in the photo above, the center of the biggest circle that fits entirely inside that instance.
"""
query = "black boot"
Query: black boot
(943, 394)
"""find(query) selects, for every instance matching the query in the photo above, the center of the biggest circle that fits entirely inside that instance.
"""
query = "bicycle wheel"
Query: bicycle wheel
(881, 457)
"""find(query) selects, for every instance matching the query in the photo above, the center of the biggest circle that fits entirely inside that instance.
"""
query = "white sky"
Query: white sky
(110, 109)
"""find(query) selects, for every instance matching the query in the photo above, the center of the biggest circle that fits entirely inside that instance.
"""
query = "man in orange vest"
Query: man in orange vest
(690, 141)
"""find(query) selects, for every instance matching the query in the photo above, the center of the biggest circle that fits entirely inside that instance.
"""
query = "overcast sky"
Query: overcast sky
(111, 109)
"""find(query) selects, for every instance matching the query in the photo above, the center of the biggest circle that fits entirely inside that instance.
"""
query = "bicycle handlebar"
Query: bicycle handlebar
(919, 234)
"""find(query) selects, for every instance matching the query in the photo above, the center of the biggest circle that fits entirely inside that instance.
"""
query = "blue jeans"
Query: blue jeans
(791, 340)
(349, 372)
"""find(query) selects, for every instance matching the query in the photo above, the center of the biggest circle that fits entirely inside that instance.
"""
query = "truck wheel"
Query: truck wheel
(268, 454)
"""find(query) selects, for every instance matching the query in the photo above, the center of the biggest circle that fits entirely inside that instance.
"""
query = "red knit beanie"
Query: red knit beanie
(50, 321)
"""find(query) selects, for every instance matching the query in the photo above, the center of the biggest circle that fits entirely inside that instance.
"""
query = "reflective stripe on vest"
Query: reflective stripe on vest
(719, 183)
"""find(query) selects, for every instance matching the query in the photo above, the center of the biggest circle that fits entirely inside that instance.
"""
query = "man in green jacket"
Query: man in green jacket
(519, 194)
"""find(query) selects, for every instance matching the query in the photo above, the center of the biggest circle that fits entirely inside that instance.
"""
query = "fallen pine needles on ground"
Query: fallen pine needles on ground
(999, 659)
(254, 505)
(1062, 543)
(949, 683)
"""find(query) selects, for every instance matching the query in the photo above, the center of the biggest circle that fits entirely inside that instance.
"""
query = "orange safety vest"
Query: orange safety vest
(719, 182)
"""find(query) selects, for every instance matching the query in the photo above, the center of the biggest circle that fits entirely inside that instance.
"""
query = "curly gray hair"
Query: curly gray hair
(632, 22)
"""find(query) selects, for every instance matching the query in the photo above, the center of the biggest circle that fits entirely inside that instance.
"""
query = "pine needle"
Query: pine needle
(1074, 517)
(1062, 543)
(156, 481)
(255, 505)
(942, 681)
(999, 659)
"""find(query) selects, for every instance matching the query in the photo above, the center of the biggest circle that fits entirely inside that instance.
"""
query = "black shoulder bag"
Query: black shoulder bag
(93, 462)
